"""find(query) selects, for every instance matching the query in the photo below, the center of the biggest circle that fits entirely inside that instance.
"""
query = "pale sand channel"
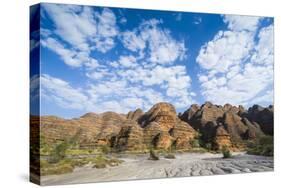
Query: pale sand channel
(187, 164)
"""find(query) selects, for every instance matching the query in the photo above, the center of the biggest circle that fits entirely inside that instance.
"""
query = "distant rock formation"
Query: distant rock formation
(161, 127)
(229, 125)
(262, 116)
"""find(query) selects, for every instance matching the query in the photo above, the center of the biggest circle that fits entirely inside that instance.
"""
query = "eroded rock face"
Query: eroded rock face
(91, 130)
(182, 133)
(162, 113)
(222, 138)
(262, 116)
(159, 127)
(162, 128)
(234, 126)
(130, 138)
(236, 123)
(205, 114)
(254, 131)
(135, 115)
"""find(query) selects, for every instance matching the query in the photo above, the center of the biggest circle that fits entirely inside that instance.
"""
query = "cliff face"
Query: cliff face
(161, 127)
(229, 125)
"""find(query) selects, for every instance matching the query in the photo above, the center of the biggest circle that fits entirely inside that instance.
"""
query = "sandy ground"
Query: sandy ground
(187, 164)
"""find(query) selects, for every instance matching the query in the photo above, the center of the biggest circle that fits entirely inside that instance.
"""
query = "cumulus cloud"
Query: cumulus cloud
(127, 61)
(142, 76)
(62, 93)
(240, 23)
(115, 96)
(147, 71)
(163, 49)
(79, 31)
(83, 28)
(237, 65)
(227, 49)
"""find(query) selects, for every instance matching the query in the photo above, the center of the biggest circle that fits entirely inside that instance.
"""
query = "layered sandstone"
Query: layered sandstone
(159, 128)
(262, 116)
(222, 138)
(163, 129)
(229, 125)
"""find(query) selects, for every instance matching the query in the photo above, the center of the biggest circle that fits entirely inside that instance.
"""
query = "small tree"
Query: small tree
(58, 153)
(105, 149)
(195, 143)
(226, 152)
(152, 155)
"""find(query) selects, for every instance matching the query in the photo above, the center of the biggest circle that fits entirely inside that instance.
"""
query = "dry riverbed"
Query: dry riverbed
(187, 164)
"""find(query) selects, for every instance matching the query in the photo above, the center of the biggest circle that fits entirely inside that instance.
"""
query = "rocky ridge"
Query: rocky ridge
(162, 128)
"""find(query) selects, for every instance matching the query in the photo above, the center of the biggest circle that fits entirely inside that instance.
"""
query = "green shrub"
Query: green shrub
(226, 152)
(102, 162)
(105, 149)
(152, 155)
(100, 165)
(59, 168)
(195, 143)
(262, 146)
(58, 153)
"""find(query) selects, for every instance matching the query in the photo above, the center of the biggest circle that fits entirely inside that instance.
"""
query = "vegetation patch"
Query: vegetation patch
(58, 168)
(152, 155)
(68, 165)
(263, 146)
(226, 152)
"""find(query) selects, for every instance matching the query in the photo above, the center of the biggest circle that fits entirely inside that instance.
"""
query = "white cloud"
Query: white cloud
(128, 61)
(107, 23)
(123, 20)
(73, 58)
(144, 74)
(62, 93)
(227, 49)
(115, 96)
(263, 52)
(240, 23)
(173, 81)
(163, 49)
(264, 99)
(82, 28)
(92, 64)
(132, 41)
(236, 67)
(72, 26)
(68, 56)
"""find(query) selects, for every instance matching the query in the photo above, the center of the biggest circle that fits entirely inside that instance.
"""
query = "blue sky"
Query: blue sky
(114, 59)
